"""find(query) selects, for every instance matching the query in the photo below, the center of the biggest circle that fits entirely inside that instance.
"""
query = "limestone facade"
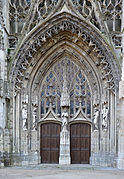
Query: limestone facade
(61, 61)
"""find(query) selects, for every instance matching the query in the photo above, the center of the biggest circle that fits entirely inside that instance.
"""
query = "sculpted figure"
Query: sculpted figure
(34, 118)
(24, 117)
(64, 120)
(96, 117)
(105, 117)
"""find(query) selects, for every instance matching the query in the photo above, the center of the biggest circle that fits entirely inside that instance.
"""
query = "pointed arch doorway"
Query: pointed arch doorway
(69, 76)
(50, 143)
(80, 139)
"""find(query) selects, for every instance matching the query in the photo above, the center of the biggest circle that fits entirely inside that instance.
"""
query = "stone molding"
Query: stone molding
(37, 40)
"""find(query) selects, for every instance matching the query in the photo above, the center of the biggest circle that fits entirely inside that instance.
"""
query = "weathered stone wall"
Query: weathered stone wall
(5, 147)
(121, 106)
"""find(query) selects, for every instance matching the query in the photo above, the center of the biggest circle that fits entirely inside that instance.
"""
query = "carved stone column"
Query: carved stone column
(64, 147)
(120, 163)
(2, 94)
(65, 134)
(121, 96)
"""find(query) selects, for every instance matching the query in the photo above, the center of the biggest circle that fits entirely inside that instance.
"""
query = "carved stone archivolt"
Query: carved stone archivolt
(38, 39)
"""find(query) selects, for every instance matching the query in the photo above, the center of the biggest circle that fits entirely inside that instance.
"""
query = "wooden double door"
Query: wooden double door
(80, 143)
(50, 143)
(80, 139)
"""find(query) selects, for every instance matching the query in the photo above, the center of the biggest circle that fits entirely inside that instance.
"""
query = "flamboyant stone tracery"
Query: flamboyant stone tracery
(76, 85)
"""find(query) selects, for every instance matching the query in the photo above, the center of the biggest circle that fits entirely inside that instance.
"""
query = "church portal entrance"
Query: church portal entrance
(50, 142)
(80, 143)
(65, 97)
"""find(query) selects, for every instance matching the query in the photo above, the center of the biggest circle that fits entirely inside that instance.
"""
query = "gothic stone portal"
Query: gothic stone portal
(62, 69)
(65, 98)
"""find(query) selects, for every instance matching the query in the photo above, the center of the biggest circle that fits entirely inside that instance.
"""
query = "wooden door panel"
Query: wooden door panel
(50, 141)
(84, 143)
(80, 143)
(75, 142)
(46, 156)
(75, 157)
(84, 157)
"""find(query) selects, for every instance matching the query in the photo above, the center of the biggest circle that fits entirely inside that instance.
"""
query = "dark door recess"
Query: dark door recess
(50, 142)
(80, 143)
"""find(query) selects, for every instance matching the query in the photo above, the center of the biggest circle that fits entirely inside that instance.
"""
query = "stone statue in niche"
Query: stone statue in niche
(34, 118)
(24, 117)
(96, 117)
(105, 117)
(64, 120)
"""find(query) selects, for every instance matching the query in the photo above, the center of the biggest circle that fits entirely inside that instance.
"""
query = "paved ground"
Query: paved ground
(61, 172)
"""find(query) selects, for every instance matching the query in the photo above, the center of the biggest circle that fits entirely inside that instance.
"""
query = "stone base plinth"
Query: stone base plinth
(64, 159)
(104, 160)
(1, 164)
(24, 160)
(64, 148)
(120, 162)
